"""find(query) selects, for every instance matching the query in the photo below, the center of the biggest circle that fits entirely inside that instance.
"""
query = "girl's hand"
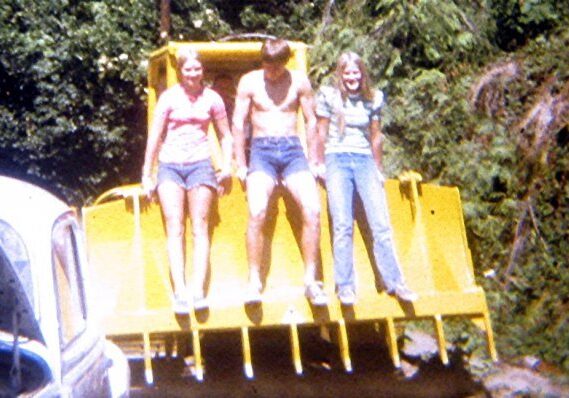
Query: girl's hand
(148, 186)
(241, 175)
(224, 181)
(318, 170)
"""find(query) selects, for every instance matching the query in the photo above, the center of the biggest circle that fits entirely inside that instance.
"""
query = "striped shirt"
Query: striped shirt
(358, 114)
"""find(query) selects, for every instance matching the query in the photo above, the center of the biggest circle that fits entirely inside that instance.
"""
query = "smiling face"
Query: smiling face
(192, 72)
(352, 78)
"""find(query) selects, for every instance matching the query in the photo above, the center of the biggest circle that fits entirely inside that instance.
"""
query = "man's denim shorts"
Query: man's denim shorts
(188, 175)
(277, 156)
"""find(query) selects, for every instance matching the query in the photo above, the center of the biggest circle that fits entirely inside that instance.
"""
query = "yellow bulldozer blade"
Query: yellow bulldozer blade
(126, 245)
(127, 250)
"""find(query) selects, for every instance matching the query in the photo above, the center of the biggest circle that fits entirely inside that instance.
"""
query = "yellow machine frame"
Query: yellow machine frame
(127, 250)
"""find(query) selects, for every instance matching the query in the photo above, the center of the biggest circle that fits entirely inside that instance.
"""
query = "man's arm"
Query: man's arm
(306, 99)
(240, 113)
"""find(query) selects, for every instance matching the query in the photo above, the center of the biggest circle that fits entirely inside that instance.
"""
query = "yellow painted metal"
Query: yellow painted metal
(127, 249)
(198, 362)
(391, 338)
(128, 252)
(295, 348)
(148, 374)
(344, 345)
(441, 339)
(247, 362)
(490, 338)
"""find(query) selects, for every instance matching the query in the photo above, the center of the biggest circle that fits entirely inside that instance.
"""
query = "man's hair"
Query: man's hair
(275, 51)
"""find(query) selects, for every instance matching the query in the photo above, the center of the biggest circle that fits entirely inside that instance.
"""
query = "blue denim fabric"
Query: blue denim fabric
(188, 175)
(347, 173)
(277, 156)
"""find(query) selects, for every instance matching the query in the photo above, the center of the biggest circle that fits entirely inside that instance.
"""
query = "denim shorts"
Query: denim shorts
(188, 175)
(277, 156)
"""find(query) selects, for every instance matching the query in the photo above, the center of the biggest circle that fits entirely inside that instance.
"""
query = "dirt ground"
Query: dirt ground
(324, 376)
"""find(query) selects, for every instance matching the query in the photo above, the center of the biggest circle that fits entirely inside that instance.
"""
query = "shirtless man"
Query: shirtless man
(270, 97)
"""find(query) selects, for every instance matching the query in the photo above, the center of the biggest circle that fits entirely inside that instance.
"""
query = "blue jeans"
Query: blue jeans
(347, 173)
(277, 156)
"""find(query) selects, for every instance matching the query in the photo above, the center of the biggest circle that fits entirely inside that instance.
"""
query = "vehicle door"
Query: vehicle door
(84, 366)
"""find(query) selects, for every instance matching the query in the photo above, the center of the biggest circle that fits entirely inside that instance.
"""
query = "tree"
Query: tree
(72, 74)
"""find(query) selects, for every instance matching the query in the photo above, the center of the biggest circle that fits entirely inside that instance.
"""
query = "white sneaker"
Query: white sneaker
(315, 294)
(180, 304)
(404, 293)
(200, 303)
(253, 294)
(347, 296)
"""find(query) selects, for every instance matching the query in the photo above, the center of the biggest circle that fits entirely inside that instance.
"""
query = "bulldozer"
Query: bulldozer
(126, 245)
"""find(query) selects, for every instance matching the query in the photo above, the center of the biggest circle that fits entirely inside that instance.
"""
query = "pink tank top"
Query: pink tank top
(187, 122)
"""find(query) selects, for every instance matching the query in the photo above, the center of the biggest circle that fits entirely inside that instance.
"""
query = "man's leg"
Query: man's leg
(303, 188)
(259, 189)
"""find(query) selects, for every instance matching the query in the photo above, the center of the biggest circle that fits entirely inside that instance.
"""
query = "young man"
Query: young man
(269, 98)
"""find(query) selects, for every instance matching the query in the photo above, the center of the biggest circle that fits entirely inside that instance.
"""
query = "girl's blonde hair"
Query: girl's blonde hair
(365, 85)
(184, 54)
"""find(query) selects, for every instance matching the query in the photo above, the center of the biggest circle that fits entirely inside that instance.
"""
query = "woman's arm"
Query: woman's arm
(155, 134)
(226, 141)
(240, 114)
(377, 143)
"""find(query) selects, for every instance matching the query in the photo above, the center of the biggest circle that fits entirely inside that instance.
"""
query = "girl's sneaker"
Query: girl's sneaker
(347, 296)
(315, 294)
(180, 305)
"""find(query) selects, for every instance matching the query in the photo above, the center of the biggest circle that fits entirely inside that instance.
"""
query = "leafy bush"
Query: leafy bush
(477, 96)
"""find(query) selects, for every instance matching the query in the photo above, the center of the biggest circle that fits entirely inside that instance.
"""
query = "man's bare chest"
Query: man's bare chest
(276, 97)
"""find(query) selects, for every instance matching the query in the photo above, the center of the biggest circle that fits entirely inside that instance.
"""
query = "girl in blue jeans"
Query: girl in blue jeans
(348, 124)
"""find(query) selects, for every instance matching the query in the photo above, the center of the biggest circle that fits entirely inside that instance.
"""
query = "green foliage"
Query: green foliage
(460, 110)
(519, 21)
(72, 74)
(401, 37)
(282, 19)
(196, 20)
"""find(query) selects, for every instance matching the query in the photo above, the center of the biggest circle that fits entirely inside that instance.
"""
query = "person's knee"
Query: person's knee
(311, 215)
(174, 227)
(200, 230)
(382, 236)
(257, 217)
(343, 229)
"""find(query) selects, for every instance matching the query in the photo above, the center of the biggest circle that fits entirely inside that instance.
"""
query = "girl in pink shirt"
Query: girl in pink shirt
(178, 137)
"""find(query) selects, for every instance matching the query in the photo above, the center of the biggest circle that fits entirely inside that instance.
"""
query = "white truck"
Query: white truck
(51, 344)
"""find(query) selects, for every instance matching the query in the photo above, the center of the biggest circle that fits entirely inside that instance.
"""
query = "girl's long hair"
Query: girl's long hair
(365, 85)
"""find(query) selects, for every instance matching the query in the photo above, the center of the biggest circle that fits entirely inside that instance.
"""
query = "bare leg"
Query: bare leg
(303, 188)
(200, 199)
(172, 201)
(259, 189)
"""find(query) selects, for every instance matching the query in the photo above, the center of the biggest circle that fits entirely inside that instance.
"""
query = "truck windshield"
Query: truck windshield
(15, 250)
